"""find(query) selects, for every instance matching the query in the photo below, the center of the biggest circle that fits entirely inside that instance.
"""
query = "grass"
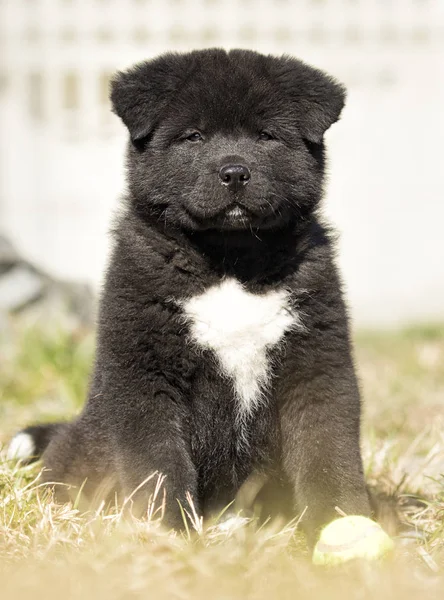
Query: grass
(50, 551)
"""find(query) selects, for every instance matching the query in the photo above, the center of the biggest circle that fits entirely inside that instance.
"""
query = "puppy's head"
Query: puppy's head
(226, 141)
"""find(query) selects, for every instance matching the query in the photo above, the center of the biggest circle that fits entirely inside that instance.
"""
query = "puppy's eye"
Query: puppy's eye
(265, 136)
(194, 137)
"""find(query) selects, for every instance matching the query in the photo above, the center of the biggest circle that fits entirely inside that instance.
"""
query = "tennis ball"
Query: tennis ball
(351, 537)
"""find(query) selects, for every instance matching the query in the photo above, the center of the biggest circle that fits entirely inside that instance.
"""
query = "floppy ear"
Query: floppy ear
(139, 95)
(319, 98)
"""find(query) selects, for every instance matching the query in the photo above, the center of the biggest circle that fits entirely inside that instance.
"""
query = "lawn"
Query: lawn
(49, 551)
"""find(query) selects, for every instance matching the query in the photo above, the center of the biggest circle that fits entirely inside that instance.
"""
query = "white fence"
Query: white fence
(61, 149)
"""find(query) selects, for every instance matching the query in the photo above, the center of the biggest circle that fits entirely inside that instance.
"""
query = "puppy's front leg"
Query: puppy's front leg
(320, 421)
(151, 436)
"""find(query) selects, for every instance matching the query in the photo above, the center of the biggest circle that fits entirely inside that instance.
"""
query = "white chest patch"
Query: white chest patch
(239, 327)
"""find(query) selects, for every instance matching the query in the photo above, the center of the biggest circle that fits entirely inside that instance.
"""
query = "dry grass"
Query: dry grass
(49, 551)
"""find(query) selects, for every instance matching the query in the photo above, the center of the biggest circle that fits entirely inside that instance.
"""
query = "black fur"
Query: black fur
(158, 403)
(41, 436)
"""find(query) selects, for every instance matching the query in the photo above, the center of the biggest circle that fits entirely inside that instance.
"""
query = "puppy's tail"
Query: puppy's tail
(29, 444)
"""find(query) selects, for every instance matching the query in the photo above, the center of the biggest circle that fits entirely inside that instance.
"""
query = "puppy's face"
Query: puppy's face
(226, 141)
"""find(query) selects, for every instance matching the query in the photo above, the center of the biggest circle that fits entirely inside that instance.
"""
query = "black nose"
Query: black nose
(234, 176)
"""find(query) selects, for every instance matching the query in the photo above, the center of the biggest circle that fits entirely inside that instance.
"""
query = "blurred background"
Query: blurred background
(61, 149)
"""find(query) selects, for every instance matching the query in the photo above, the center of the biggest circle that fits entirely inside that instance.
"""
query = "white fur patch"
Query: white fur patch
(239, 327)
(21, 447)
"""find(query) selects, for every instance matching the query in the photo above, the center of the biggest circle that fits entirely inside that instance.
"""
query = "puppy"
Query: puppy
(223, 345)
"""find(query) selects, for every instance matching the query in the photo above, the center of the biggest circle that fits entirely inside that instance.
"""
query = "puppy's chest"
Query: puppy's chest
(241, 328)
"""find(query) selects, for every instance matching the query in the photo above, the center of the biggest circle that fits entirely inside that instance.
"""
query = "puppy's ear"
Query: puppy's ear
(139, 95)
(318, 97)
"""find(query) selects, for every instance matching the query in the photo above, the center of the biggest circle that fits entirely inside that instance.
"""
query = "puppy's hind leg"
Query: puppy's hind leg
(29, 444)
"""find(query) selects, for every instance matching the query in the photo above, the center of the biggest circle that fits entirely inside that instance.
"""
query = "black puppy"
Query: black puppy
(223, 344)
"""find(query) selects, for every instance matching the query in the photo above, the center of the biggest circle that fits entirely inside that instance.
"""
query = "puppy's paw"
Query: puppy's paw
(231, 524)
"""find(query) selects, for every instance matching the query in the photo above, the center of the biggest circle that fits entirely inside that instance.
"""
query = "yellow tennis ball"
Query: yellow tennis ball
(351, 537)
